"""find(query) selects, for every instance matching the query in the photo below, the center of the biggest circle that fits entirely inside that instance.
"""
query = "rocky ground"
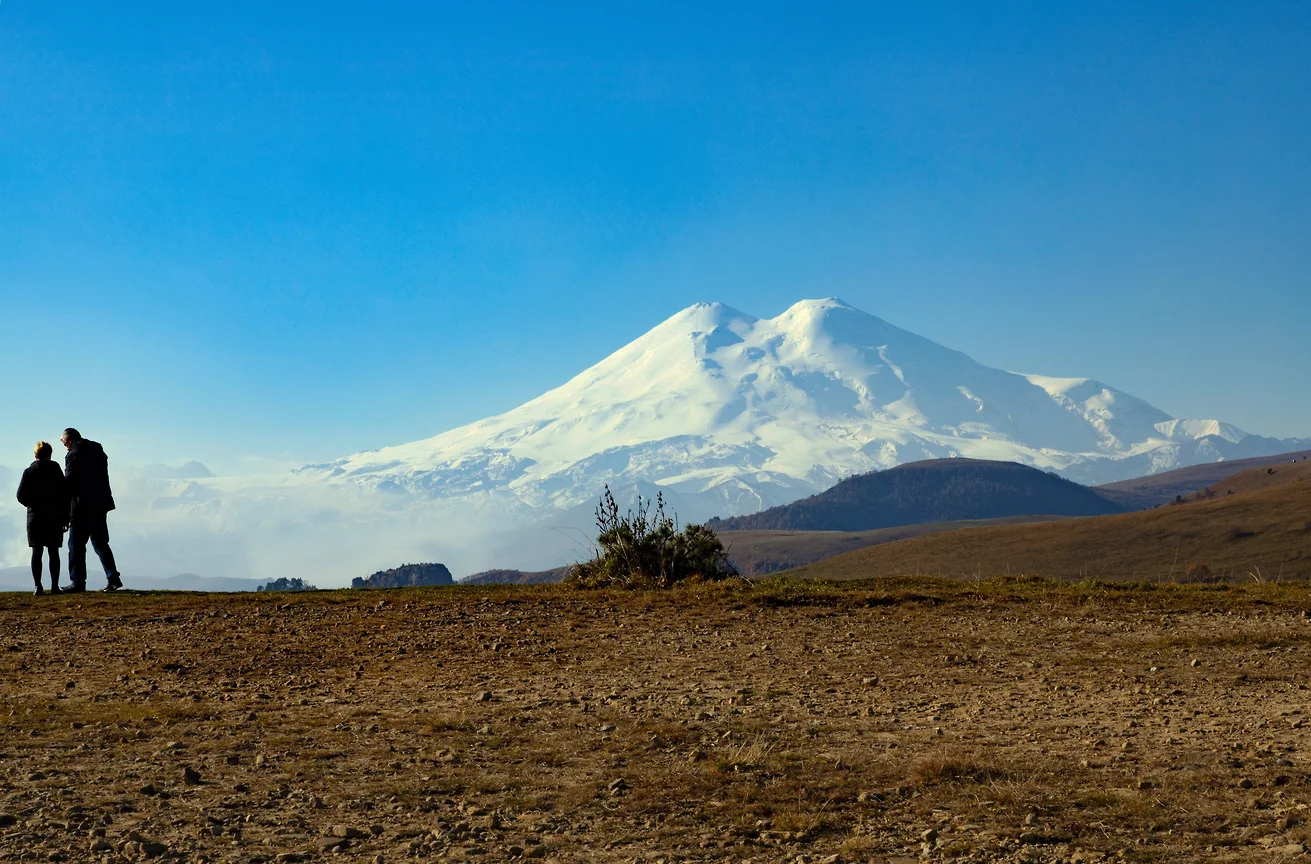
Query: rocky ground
(1004, 721)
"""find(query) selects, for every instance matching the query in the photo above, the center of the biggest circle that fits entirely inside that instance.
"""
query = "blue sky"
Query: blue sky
(295, 231)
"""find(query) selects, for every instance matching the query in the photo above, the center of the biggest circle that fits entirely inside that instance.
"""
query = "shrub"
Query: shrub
(1198, 573)
(645, 549)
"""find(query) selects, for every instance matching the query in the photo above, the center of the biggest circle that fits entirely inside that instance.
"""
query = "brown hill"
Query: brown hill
(1270, 477)
(1142, 493)
(517, 577)
(1257, 536)
(934, 490)
(757, 553)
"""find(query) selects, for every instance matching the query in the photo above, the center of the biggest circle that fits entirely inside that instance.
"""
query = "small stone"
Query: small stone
(1144, 784)
(260, 760)
(1195, 662)
(607, 727)
(929, 836)
(35, 776)
(1245, 783)
(191, 776)
(346, 831)
(483, 696)
(1031, 819)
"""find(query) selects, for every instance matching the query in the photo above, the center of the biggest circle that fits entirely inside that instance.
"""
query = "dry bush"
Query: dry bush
(645, 549)
(1199, 573)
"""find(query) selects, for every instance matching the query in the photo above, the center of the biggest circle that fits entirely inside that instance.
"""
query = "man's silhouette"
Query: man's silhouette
(86, 470)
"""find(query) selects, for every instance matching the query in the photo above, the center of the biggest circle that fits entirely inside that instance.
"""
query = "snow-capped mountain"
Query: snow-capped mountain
(724, 412)
(732, 413)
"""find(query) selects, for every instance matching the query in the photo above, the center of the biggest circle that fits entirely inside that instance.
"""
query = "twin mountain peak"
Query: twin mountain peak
(729, 414)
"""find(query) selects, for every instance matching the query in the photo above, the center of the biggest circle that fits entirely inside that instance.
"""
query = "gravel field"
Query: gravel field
(886, 722)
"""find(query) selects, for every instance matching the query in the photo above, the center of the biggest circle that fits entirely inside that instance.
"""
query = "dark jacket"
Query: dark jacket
(44, 493)
(86, 468)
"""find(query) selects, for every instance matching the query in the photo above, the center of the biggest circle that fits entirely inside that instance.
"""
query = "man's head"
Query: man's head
(42, 450)
(71, 436)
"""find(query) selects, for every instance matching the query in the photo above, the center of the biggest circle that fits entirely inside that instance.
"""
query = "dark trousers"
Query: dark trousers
(54, 566)
(84, 527)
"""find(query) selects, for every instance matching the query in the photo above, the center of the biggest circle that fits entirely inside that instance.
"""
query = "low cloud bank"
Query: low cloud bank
(264, 528)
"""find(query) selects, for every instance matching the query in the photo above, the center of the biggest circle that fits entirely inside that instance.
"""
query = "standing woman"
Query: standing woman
(45, 495)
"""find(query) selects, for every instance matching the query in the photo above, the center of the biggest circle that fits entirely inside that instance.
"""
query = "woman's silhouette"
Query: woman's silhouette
(45, 495)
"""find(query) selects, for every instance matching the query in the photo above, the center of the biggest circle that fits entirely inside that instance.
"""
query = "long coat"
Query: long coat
(86, 467)
(44, 492)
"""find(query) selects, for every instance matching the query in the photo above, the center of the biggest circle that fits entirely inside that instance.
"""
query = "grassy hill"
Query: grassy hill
(1142, 493)
(935, 490)
(1260, 535)
(1270, 477)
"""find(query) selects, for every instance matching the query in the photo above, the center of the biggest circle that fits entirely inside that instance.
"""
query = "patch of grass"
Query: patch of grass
(956, 768)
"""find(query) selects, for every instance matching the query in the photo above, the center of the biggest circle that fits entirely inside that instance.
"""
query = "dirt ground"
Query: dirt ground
(1000, 721)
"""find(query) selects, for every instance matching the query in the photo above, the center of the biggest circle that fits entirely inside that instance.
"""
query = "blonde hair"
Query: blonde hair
(42, 450)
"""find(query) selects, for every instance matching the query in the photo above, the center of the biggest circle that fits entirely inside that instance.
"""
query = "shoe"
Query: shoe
(112, 587)
(55, 589)
(39, 591)
(75, 588)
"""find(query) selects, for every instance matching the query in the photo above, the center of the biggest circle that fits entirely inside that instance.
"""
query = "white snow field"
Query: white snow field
(724, 412)
(745, 413)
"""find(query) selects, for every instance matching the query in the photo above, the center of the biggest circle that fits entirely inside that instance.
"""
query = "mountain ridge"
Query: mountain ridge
(742, 413)
(931, 491)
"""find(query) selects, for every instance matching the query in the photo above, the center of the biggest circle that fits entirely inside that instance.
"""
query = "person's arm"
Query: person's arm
(25, 490)
(65, 504)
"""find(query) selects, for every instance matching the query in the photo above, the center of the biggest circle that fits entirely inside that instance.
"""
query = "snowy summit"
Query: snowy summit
(730, 413)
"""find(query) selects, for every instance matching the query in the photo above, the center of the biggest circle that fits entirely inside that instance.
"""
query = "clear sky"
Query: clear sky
(297, 230)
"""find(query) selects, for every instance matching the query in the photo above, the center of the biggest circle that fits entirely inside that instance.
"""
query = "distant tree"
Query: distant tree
(285, 584)
(645, 549)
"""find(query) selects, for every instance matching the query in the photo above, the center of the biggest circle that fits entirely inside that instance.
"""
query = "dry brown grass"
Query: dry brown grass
(1014, 719)
(1257, 537)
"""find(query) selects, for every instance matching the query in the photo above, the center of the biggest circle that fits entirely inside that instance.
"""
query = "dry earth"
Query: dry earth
(1000, 721)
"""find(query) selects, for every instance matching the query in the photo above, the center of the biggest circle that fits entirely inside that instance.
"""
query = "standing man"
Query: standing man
(86, 470)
